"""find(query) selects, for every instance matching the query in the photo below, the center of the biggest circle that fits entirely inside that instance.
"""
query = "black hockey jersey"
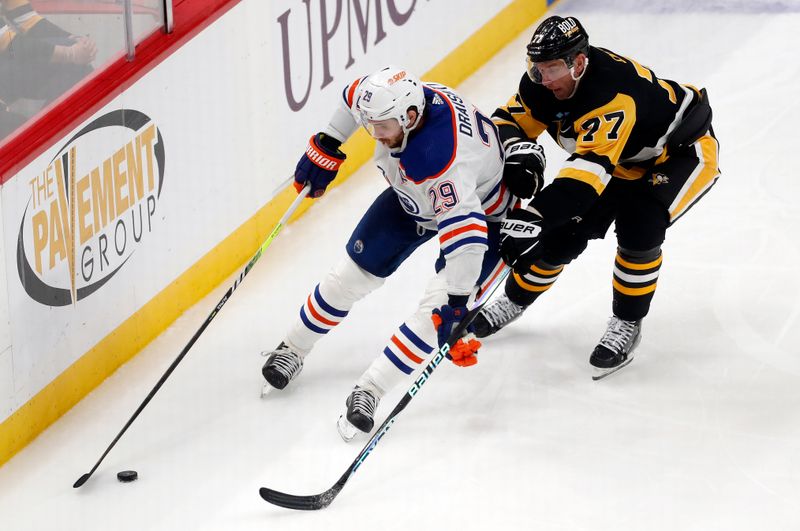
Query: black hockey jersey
(615, 126)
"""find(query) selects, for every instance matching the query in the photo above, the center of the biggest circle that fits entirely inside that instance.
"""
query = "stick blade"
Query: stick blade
(81, 480)
(313, 502)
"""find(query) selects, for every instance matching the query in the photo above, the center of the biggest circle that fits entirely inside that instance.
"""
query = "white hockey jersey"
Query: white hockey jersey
(448, 177)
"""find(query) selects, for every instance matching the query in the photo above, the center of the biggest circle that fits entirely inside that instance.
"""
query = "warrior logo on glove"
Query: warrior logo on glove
(319, 164)
(326, 163)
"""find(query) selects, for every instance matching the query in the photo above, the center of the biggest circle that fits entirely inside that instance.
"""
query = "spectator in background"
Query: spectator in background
(9, 121)
(38, 60)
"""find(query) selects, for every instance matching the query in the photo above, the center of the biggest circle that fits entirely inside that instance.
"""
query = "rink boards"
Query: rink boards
(119, 227)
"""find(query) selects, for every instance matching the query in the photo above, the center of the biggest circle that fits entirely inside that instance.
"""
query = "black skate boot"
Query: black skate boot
(495, 316)
(616, 347)
(361, 406)
(282, 366)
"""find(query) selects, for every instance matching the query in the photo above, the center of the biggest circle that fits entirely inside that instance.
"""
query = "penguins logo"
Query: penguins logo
(659, 178)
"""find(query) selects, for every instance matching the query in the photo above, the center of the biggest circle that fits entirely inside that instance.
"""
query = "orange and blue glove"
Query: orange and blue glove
(319, 164)
(445, 319)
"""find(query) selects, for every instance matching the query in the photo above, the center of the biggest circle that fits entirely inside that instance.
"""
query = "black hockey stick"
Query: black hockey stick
(214, 312)
(315, 502)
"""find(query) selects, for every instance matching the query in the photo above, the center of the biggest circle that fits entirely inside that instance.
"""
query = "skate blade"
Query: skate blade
(266, 389)
(347, 431)
(599, 373)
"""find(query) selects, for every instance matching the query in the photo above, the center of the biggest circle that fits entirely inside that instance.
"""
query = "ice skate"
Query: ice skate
(281, 367)
(347, 431)
(616, 347)
(495, 316)
(360, 416)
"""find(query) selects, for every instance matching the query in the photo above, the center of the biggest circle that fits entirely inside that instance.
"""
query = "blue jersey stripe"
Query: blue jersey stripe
(493, 192)
(458, 219)
(327, 307)
(466, 241)
(419, 343)
(311, 326)
(397, 363)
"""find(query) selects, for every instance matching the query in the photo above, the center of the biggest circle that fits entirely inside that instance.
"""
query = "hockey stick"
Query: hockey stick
(302, 195)
(315, 502)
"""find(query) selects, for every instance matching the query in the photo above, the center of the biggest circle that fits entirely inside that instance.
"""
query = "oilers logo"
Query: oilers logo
(409, 205)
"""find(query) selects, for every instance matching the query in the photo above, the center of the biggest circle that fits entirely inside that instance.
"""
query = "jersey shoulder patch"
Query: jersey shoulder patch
(431, 151)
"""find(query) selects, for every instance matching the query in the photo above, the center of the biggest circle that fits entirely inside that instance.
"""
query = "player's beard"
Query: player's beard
(393, 143)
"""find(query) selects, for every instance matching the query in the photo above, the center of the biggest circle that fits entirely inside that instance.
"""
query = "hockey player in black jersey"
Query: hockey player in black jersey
(642, 152)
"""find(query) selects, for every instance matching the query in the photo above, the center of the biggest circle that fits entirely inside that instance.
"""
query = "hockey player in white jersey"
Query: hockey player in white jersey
(443, 161)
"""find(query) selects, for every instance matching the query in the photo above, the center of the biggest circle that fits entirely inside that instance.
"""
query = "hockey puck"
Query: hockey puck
(126, 476)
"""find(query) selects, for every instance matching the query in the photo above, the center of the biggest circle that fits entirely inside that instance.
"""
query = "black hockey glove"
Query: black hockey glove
(519, 237)
(524, 169)
(319, 164)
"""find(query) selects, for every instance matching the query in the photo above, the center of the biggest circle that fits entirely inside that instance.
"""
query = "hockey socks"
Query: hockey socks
(634, 282)
(523, 289)
(329, 303)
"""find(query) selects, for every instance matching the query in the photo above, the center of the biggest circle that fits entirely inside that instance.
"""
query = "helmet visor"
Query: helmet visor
(379, 129)
(545, 72)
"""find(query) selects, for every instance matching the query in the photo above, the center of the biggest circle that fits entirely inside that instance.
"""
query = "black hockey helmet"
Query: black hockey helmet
(558, 38)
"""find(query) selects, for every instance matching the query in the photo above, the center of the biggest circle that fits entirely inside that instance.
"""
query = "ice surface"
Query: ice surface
(701, 432)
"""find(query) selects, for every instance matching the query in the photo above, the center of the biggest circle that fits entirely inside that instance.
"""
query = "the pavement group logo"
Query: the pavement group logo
(90, 208)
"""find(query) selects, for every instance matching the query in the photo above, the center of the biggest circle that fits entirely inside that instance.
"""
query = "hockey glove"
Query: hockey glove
(319, 164)
(523, 172)
(519, 237)
(445, 320)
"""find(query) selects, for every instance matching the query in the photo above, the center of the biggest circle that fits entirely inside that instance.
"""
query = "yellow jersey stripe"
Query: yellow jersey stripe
(671, 91)
(710, 171)
(629, 174)
(530, 125)
(592, 179)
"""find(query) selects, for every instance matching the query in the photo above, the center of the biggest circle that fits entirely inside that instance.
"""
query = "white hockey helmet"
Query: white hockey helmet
(388, 94)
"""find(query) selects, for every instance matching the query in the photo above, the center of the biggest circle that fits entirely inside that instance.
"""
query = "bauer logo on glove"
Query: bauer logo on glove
(516, 228)
(519, 236)
(524, 168)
